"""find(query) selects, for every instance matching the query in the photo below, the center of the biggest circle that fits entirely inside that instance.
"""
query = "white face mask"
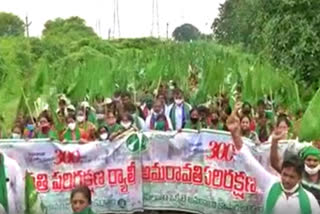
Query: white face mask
(125, 125)
(290, 191)
(16, 136)
(80, 119)
(312, 171)
(104, 136)
(100, 116)
(178, 101)
(72, 126)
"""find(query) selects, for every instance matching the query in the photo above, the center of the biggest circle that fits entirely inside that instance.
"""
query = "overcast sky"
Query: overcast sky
(135, 16)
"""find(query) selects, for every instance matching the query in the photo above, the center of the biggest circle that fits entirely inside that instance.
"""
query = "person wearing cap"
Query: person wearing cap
(311, 158)
(311, 178)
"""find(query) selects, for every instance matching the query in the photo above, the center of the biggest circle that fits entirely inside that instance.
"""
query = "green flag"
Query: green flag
(32, 201)
(3, 185)
(310, 123)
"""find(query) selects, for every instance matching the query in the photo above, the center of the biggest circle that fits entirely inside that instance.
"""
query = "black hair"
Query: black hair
(130, 107)
(84, 190)
(261, 102)
(178, 91)
(203, 109)
(192, 110)
(127, 115)
(246, 104)
(125, 94)
(283, 118)
(295, 162)
(245, 116)
(73, 116)
(228, 110)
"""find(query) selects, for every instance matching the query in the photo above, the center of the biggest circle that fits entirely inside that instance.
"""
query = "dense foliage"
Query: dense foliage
(286, 32)
(71, 59)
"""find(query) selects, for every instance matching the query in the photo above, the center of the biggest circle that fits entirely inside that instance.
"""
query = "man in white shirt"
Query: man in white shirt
(179, 111)
(285, 195)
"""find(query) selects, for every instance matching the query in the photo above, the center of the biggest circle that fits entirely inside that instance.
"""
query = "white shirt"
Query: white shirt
(265, 180)
(291, 205)
(15, 186)
(178, 114)
(141, 123)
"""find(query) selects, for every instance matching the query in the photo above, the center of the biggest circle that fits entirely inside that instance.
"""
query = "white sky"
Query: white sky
(135, 15)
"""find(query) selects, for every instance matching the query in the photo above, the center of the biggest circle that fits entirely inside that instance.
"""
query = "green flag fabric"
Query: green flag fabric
(3, 185)
(275, 193)
(87, 210)
(33, 203)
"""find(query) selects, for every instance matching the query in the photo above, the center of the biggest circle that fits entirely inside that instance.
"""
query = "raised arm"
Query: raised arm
(274, 154)
(264, 178)
(233, 124)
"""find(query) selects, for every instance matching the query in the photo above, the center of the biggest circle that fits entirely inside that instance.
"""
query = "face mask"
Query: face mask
(117, 99)
(290, 191)
(156, 114)
(80, 119)
(194, 120)
(178, 101)
(45, 128)
(100, 116)
(72, 126)
(104, 136)
(126, 125)
(312, 171)
(30, 127)
(16, 136)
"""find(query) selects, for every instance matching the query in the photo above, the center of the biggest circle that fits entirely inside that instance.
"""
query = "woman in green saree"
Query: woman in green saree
(81, 200)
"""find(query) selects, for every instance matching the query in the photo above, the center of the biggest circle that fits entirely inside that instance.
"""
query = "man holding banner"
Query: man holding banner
(286, 195)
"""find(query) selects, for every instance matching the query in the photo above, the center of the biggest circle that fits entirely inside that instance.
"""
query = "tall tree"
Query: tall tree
(186, 32)
(11, 25)
(285, 31)
(73, 28)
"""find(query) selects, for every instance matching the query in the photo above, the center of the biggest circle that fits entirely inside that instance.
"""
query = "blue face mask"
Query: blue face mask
(30, 127)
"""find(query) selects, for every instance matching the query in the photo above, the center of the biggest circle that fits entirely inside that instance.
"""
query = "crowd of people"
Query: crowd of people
(168, 110)
(297, 189)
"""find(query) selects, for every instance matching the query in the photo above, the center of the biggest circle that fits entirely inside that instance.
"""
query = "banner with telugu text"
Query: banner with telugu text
(189, 171)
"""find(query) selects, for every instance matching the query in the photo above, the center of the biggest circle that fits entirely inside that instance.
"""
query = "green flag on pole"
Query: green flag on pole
(32, 200)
